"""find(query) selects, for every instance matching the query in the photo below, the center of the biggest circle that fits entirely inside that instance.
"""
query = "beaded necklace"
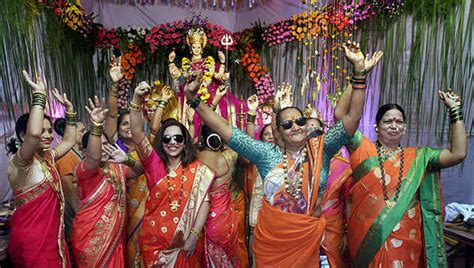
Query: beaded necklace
(383, 154)
(293, 189)
(174, 205)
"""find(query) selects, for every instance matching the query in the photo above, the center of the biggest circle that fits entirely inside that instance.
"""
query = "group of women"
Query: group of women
(161, 200)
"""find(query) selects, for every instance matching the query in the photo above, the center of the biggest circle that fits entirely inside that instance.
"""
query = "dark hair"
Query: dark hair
(387, 107)
(263, 130)
(20, 128)
(85, 139)
(278, 115)
(189, 153)
(211, 139)
(59, 126)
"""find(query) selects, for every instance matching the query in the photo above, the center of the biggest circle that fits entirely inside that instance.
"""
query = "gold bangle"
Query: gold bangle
(96, 129)
(135, 107)
(212, 106)
(71, 118)
(129, 160)
(113, 93)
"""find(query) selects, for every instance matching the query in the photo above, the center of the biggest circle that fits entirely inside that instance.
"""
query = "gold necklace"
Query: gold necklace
(383, 154)
(293, 189)
(172, 173)
(174, 205)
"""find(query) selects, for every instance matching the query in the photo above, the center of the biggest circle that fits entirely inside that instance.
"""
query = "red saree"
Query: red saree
(37, 226)
(98, 234)
(221, 228)
(164, 228)
(409, 233)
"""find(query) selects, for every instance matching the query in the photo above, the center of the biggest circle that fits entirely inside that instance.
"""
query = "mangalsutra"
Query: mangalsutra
(294, 189)
(383, 154)
(174, 205)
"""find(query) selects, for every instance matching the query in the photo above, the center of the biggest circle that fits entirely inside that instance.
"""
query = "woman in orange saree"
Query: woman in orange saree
(178, 183)
(37, 236)
(396, 217)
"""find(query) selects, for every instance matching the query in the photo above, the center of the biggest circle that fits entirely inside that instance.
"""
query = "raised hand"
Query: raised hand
(252, 103)
(142, 89)
(222, 90)
(284, 96)
(354, 55)
(192, 88)
(115, 70)
(37, 86)
(167, 93)
(171, 56)
(221, 57)
(63, 100)
(370, 63)
(449, 98)
(97, 110)
(116, 154)
(190, 113)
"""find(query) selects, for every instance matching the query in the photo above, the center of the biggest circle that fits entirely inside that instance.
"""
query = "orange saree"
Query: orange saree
(137, 194)
(98, 234)
(407, 233)
(287, 234)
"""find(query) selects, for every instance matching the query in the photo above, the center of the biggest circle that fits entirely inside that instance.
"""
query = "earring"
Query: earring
(376, 128)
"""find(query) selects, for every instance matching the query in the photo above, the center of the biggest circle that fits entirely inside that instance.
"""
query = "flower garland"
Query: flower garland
(130, 59)
(278, 33)
(265, 88)
(209, 70)
(259, 74)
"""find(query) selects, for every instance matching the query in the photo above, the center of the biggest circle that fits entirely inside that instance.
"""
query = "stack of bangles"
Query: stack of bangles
(455, 114)
(251, 118)
(212, 106)
(162, 103)
(135, 107)
(96, 129)
(71, 118)
(114, 91)
(39, 100)
(358, 80)
(194, 232)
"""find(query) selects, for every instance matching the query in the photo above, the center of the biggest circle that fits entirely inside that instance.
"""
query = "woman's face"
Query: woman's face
(173, 141)
(46, 136)
(267, 135)
(124, 127)
(196, 49)
(391, 128)
(295, 136)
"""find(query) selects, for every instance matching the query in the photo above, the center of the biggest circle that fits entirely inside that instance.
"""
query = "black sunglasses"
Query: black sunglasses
(178, 138)
(287, 124)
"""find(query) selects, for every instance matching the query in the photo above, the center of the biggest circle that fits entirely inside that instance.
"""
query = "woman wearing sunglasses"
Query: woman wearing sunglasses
(291, 210)
(396, 218)
(178, 183)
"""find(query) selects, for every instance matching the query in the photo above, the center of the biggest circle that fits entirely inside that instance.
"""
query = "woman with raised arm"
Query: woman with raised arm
(37, 236)
(177, 208)
(293, 189)
(98, 233)
(396, 217)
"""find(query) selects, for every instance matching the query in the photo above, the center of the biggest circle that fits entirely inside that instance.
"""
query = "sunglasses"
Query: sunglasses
(287, 124)
(178, 138)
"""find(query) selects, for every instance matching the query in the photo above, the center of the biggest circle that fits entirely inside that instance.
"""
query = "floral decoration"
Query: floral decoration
(279, 33)
(130, 59)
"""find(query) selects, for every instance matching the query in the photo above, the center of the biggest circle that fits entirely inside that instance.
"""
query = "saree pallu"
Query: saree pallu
(255, 192)
(238, 201)
(221, 228)
(333, 209)
(164, 231)
(137, 194)
(409, 233)
(37, 226)
(287, 234)
(98, 235)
